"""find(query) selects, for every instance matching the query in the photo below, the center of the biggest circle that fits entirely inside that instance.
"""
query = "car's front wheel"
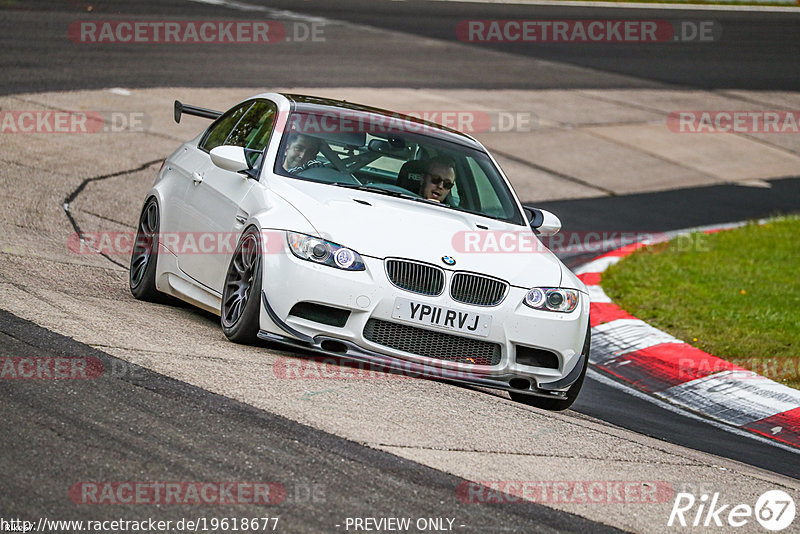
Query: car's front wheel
(142, 275)
(242, 292)
(558, 405)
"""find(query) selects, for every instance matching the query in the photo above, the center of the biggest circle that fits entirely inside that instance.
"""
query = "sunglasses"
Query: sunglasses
(436, 180)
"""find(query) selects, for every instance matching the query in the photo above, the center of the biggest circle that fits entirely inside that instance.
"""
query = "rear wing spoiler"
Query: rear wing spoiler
(194, 110)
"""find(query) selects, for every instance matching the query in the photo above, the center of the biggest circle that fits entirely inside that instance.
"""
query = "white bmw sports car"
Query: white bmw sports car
(365, 234)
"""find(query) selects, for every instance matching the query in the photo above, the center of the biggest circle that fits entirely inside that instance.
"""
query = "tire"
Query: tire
(559, 405)
(241, 296)
(144, 257)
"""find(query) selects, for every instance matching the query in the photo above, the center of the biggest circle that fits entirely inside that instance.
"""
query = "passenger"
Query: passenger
(300, 152)
(438, 179)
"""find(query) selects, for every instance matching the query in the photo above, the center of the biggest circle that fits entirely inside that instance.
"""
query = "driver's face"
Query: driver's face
(300, 151)
(438, 181)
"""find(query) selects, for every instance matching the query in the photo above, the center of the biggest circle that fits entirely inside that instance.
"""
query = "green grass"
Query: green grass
(734, 294)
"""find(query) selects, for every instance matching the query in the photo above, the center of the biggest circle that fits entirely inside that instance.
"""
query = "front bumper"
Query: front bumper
(369, 294)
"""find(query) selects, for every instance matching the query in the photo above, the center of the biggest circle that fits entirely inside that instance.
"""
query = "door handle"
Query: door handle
(197, 177)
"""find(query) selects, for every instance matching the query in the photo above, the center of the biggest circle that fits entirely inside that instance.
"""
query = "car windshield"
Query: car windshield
(380, 154)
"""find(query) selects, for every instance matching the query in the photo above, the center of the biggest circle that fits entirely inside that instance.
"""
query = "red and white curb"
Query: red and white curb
(661, 365)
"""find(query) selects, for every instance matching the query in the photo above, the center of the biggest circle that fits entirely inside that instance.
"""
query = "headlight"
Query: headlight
(552, 299)
(318, 250)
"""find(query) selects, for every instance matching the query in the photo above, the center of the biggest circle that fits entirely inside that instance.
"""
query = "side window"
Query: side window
(254, 128)
(221, 129)
(490, 202)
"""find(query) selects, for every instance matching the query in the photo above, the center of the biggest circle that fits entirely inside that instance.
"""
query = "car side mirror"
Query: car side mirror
(543, 222)
(230, 158)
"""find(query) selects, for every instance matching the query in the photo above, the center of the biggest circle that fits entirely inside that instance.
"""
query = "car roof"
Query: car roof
(317, 104)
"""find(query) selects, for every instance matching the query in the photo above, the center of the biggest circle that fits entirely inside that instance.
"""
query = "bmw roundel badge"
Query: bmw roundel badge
(449, 260)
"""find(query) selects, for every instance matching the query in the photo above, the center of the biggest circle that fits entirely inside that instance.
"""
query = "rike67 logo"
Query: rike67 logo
(774, 510)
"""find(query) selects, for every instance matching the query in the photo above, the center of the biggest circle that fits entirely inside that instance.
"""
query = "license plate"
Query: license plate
(468, 322)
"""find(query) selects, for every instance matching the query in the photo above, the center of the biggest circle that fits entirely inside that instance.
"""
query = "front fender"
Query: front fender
(273, 212)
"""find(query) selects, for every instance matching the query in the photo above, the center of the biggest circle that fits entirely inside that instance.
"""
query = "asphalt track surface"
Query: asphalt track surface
(749, 51)
(69, 431)
(677, 209)
(756, 51)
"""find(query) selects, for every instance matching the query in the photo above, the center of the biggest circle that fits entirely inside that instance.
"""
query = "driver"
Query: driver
(438, 179)
(300, 152)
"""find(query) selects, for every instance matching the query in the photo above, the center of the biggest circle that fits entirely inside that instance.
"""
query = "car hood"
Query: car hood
(382, 226)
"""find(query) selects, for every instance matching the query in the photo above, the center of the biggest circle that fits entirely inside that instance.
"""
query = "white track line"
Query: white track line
(596, 375)
(635, 5)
